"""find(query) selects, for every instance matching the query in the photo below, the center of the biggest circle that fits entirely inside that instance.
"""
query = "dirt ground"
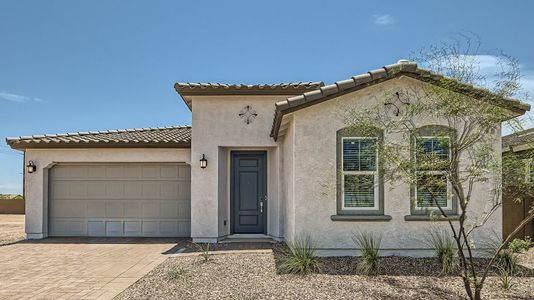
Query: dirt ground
(254, 276)
(11, 229)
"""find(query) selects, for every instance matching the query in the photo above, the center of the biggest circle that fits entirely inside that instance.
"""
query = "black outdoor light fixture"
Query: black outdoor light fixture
(31, 167)
(203, 162)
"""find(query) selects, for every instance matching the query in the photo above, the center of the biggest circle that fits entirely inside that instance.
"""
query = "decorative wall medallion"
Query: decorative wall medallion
(397, 104)
(248, 114)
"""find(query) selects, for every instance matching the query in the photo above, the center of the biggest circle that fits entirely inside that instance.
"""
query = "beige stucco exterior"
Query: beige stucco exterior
(301, 173)
(313, 136)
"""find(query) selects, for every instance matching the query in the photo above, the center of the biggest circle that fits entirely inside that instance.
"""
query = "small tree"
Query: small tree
(461, 152)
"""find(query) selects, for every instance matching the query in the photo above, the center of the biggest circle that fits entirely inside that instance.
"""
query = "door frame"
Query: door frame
(234, 153)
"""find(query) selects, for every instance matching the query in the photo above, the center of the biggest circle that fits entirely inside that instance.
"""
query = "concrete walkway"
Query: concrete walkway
(78, 268)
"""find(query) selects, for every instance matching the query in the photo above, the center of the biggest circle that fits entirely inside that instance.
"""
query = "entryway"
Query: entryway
(248, 192)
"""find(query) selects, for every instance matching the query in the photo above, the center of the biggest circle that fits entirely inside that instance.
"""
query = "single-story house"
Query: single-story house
(263, 160)
(518, 202)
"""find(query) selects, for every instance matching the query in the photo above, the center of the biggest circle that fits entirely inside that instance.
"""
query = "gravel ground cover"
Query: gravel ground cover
(254, 276)
(11, 229)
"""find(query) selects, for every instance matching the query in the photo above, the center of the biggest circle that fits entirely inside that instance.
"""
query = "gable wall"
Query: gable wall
(315, 179)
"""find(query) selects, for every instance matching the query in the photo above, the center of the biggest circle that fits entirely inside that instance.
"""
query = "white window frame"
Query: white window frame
(449, 186)
(375, 173)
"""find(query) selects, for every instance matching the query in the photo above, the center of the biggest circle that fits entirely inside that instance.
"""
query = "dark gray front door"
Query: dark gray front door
(248, 192)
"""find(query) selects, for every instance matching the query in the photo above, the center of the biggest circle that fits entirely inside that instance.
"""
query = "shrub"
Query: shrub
(444, 249)
(369, 245)
(177, 273)
(505, 278)
(507, 261)
(301, 258)
(204, 251)
(519, 245)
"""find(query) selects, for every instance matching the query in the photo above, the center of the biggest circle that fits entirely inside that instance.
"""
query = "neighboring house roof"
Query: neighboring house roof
(519, 141)
(401, 68)
(187, 89)
(162, 137)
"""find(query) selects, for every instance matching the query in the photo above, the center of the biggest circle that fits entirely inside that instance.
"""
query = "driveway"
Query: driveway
(78, 268)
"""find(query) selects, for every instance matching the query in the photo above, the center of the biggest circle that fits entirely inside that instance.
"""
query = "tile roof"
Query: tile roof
(402, 67)
(187, 89)
(521, 138)
(172, 136)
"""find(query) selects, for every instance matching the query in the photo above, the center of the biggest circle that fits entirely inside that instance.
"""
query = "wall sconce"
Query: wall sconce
(31, 167)
(203, 162)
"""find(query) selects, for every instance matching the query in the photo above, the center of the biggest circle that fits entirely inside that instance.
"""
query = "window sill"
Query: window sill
(430, 218)
(354, 218)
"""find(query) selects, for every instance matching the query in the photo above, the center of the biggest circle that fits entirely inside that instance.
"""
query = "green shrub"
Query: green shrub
(204, 251)
(177, 273)
(301, 258)
(369, 245)
(505, 278)
(519, 245)
(444, 249)
(507, 261)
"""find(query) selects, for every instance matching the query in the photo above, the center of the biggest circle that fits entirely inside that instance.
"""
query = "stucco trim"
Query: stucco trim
(431, 218)
(353, 218)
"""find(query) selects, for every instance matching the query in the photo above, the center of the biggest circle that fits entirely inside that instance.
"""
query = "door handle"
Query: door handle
(261, 206)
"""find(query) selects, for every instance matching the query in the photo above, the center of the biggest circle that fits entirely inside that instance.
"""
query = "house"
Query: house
(258, 160)
(519, 145)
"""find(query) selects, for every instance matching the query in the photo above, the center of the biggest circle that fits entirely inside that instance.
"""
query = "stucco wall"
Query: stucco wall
(315, 181)
(218, 130)
(36, 184)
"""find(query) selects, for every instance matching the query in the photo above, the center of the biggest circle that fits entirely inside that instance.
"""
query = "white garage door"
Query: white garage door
(127, 199)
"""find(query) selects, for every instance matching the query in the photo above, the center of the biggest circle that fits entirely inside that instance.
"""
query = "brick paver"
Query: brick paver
(77, 268)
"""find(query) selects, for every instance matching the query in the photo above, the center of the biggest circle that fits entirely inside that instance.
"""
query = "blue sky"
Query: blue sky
(70, 66)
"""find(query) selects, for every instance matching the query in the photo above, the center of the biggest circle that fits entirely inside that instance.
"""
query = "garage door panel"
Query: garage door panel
(150, 209)
(169, 190)
(133, 190)
(132, 228)
(120, 200)
(132, 209)
(184, 210)
(170, 172)
(114, 228)
(64, 227)
(150, 190)
(95, 190)
(115, 190)
(131, 172)
(68, 208)
(116, 171)
(150, 172)
(96, 228)
(96, 208)
(114, 209)
(168, 209)
(96, 172)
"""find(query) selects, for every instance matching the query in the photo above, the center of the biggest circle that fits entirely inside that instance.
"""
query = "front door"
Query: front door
(248, 192)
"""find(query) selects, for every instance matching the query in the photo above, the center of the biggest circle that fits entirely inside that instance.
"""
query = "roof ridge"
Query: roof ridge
(84, 133)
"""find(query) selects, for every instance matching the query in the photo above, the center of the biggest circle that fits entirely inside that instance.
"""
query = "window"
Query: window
(359, 173)
(432, 160)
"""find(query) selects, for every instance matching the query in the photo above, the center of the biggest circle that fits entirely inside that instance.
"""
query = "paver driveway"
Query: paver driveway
(78, 268)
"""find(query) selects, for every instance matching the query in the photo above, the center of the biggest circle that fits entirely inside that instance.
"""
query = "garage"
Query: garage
(120, 199)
